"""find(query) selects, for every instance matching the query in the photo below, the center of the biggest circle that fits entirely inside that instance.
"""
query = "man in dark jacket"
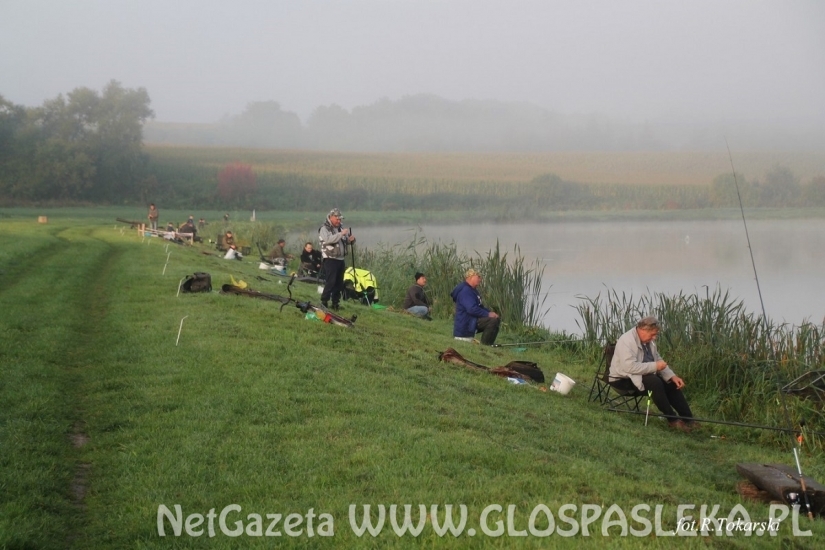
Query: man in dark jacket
(416, 301)
(471, 316)
(311, 261)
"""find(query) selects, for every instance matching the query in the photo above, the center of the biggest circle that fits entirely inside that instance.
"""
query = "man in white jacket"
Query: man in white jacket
(637, 365)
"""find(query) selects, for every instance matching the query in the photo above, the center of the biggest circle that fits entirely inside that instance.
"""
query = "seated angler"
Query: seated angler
(278, 255)
(228, 241)
(471, 316)
(188, 228)
(637, 365)
(416, 301)
(311, 261)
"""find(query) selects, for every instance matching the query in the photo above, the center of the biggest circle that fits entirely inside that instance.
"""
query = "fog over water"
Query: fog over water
(586, 259)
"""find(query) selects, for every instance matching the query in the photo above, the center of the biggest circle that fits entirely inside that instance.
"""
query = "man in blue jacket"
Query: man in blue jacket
(471, 316)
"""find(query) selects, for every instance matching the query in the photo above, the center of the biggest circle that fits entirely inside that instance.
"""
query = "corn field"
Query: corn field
(505, 186)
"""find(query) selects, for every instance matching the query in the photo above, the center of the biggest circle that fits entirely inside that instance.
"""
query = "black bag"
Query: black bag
(198, 282)
(528, 369)
(367, 297)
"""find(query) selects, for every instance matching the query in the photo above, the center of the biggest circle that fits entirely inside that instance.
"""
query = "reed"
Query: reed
(511, 287)
(735, 362)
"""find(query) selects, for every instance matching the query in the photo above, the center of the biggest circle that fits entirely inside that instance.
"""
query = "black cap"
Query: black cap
(418, 275)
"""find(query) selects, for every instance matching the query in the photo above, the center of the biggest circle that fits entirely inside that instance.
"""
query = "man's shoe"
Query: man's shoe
(692, 425)
(678, 425)
(335, 307)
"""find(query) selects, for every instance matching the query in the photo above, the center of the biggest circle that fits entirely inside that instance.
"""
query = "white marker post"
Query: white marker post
(167, 263)
(647, 414)
(180, 329)
(179, 284)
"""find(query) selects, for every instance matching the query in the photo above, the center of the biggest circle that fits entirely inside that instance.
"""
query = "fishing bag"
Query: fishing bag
(527, 368)
(197, 282)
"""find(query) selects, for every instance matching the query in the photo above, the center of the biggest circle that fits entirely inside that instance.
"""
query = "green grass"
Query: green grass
(279, 414)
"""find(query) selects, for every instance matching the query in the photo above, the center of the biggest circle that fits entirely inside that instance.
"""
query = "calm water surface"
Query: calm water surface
(586, 258)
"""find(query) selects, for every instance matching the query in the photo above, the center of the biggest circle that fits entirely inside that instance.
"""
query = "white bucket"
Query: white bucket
(264, 265)
(562, 384)
(320, 289)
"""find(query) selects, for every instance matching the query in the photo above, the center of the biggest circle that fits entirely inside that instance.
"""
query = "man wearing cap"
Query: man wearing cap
(471, 316)
(334, 241)
(416, 302)
(637, 365)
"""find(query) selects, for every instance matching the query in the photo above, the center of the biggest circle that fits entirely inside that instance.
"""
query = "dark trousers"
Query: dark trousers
(665, 395)
(488, 327)
(334, 284)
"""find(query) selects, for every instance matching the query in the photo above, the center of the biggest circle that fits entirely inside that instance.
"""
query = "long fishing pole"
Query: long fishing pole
(535, 343)
(750, 249)
(770, 338)
(355, 282)
(724, 422)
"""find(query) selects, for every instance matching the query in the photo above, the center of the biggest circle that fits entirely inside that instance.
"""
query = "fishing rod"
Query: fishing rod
(724, 422)
(790, 430)
(355, 281)
(535, 343)
(305, 307)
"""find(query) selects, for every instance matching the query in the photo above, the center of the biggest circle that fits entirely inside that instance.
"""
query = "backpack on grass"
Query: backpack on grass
(197, 282)
(527, 368)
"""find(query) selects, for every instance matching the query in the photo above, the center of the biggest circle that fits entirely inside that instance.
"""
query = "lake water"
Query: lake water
(586, 258)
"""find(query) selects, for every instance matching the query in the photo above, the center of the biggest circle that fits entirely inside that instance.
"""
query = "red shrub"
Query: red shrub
(236, 182)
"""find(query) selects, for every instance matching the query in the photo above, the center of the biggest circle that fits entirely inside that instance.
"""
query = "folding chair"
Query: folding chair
(607, 395)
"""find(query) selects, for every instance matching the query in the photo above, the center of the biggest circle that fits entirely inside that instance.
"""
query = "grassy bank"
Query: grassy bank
(105, 418)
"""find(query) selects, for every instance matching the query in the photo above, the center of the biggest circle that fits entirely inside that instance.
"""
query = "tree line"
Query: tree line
(428, 123)
(86, 146)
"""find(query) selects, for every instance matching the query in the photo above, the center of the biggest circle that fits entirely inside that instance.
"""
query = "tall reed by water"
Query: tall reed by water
(511, 287)
(735, 362)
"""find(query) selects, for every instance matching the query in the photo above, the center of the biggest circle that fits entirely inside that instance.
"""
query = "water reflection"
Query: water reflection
(586, 258)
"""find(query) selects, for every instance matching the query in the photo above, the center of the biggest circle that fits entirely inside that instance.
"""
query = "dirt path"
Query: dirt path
(54, 303)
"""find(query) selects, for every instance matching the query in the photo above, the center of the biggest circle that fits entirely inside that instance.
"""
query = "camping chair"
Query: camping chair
(607, 395)
(264, 259)
(810, 384)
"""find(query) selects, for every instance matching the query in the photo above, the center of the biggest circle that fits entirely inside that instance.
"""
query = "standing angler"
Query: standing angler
(334, 241)
(153, 217)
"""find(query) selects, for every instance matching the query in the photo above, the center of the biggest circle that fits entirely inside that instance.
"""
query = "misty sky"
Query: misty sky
(637, 60)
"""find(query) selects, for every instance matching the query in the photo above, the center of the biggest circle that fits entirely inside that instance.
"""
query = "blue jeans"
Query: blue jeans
(418, 311)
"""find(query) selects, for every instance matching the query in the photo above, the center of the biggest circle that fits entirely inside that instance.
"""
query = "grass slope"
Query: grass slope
(104, 418)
